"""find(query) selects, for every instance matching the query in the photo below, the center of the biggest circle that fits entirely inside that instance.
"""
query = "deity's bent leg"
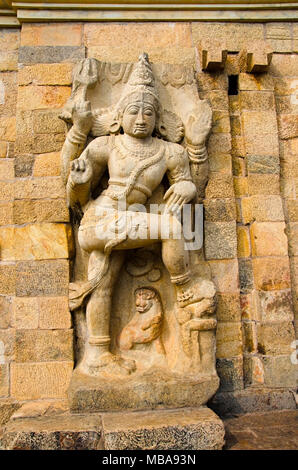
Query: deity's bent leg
(97, 355)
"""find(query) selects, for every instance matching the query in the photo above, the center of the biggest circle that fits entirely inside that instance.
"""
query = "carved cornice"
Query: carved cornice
(14, 13)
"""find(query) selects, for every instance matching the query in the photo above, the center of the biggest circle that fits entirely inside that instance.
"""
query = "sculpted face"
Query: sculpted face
(139, 119)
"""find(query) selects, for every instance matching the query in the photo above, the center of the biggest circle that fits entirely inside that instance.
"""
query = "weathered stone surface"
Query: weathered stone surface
(23, 165)
(275, 338)
(7, 243)
(212, 81)
(219, 142)
(50, 54)
(3, 149)
(272, 430)
(220, 240)
(243, 242)
(46, 74)
(171, 55)
(225, 276)
(265, 208)
(279, 371)
(44, 143)
(263, 184)
(271, 273)
(39, 278)
(252, 401)
(293, 238)
(5, 311)
(276, 306)
(4, 380)
(6, 191)
(284, 65)
(7, 407)
(45, 312)
(230, 372)
(7, 279)
(269, 239)
(8, 61)
(64, 34)
(219, 210)
(33, 381)
(220, 186)
(245, 275)
(41, 241)
(39, 188)
(233, 35)
(6, 169)
(6, 213)
(261, 82)
(287, 126)
(257, 101)
(264, 164)
(240, 186)
(8, 128)
(54, 313)
(218, 100)
(44, 345)
(221, 163)
(190, 428)
(149, 390)
(228, 340)
(40, 210)
(42, 97)
(61, 432)
(35, 409)
(8, 83)
(253, 371)
(25, 312)
(143, 35)
(249, 330)
(228, 308)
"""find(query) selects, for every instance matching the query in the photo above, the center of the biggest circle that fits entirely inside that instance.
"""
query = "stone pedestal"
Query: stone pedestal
(150, 390)
(183, 429)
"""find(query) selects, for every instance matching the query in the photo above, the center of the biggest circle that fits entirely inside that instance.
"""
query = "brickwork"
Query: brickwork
(250, 205)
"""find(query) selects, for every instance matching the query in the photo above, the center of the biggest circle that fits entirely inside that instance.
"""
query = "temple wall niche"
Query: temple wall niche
(250, 204)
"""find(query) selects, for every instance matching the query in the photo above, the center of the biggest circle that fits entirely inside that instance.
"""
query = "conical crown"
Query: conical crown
(140, 86)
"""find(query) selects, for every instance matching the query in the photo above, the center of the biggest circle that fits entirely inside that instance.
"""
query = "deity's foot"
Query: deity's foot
(106, 363)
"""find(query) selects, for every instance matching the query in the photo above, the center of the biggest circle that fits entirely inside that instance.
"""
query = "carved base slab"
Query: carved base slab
(150, 390)
(183, 429)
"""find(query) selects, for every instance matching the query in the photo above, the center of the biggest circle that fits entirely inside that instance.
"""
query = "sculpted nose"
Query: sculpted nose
(140, 117)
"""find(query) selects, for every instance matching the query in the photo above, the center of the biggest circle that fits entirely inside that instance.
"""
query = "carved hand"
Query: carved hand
(179, 194)
(82, 116)
(199, 124)
(81, 171)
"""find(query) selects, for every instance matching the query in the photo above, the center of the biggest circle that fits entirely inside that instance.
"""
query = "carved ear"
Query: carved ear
(115, 127)
(170, 127)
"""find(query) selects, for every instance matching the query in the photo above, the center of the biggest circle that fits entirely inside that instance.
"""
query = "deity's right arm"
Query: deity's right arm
(73, 146)
(86, 171)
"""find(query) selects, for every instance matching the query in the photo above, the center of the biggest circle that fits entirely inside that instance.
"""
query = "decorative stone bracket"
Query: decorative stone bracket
(259, 58)
(214, 55)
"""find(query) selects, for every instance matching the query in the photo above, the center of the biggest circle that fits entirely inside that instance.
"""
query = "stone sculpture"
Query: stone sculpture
(138, 142)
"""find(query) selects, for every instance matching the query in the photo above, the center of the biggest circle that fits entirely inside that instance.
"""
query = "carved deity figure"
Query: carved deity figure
(137, 154)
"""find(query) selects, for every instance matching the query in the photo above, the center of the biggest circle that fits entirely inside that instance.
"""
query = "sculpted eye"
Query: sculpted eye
(148, 112)
(133, 110)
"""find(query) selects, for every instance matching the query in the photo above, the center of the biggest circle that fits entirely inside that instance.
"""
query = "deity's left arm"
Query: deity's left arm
(197, 129)
(182, 189)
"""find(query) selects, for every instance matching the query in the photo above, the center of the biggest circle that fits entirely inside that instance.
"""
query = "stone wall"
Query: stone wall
(250, 206)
